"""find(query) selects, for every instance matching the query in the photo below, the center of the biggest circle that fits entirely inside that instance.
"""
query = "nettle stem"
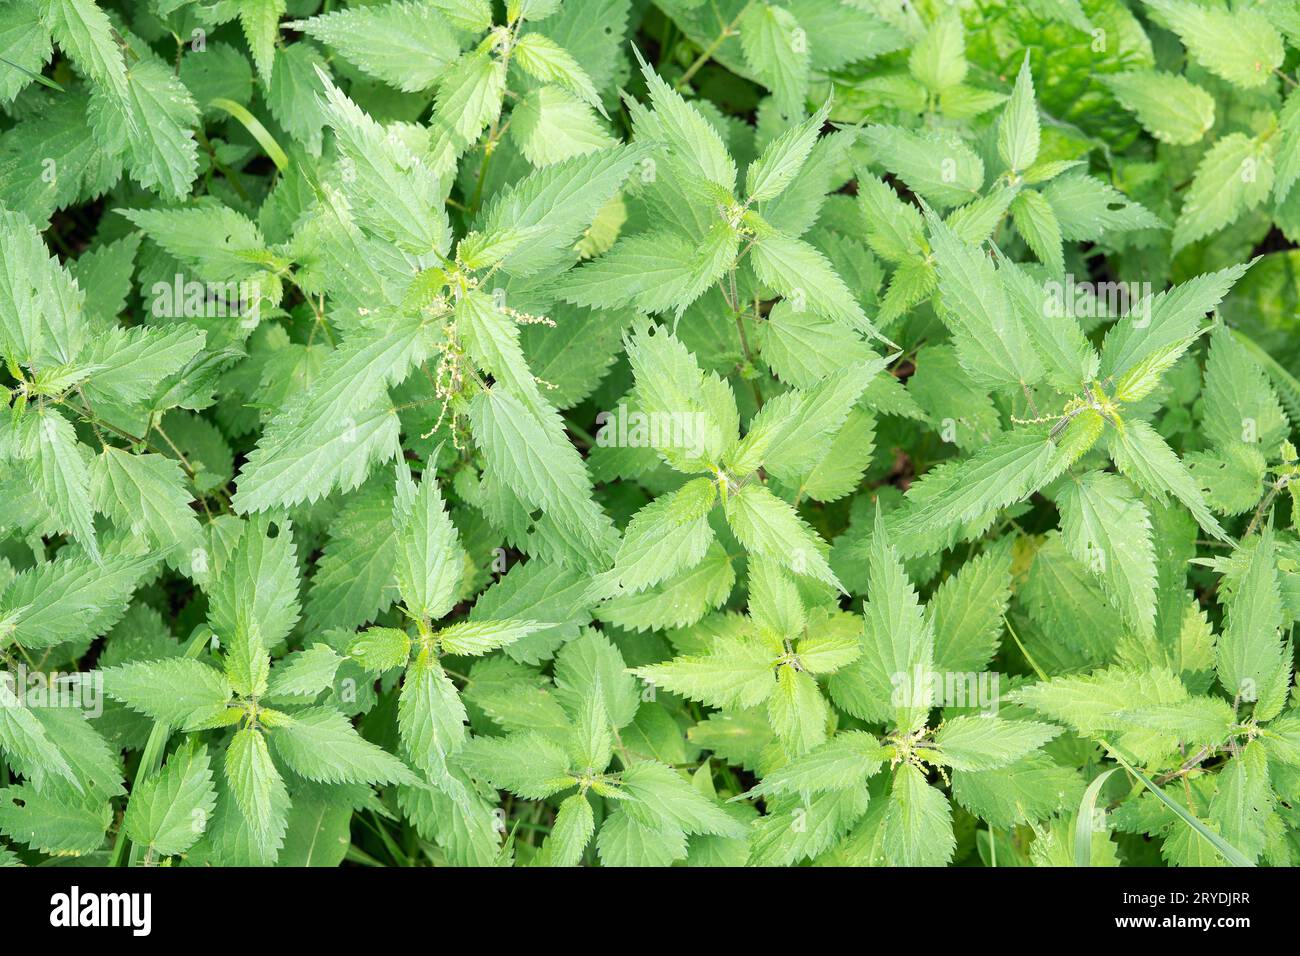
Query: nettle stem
(1265, 505)
(728, 31)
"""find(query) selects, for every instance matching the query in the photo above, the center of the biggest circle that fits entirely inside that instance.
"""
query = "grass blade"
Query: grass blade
(256, 130)
(1083, 826)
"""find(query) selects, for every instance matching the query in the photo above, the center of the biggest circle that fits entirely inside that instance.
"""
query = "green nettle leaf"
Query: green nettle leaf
(527, 764)
(551, 125)
(1244, 800)
(62, 478)
(131, 364)
(260, 20)
(776, 48)
(773, 171)
(1018, 132)
(991, 342)
(1170, 107)
(1243, 50)
(320, 744)
(1240, 404)
(258, 789)
(294, 94)
(770, 528)
(26, 743)
(966, 611)
(26, 45)
(394, 193)
(84, 32)
(304, 673)
(532, 456)
(891, 680)
(551, 208)
(1108, 530)
(917, 828)
(1142, 455)
(170, 812)
(942, 169)
(71, 598)
(145, 493)
(454, 433)
(407, 44)
(1039, 227)
(939, 59)
(846, 760)
(1087, 208)
(542, 58)
(469, 95)
(181, 693)
(381, 648)
(986, 743)
(1253, 662)
(733, 673)
(1200, 721)
(255, 590)
(157, 112)
(670, 535)
(1000, 474)
(1234, 177)
(330, 434)
(430, 716)
(801, 273)
(430, 561)
(58, 822)
(574, 826)
(1165, 320)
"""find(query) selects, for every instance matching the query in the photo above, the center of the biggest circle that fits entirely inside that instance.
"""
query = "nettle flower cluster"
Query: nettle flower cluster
(762, 432)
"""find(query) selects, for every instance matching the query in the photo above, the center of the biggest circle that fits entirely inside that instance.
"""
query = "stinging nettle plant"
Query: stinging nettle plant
(761, 432)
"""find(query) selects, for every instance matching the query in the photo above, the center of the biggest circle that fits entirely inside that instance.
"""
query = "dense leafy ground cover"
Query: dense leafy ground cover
(715, 432)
